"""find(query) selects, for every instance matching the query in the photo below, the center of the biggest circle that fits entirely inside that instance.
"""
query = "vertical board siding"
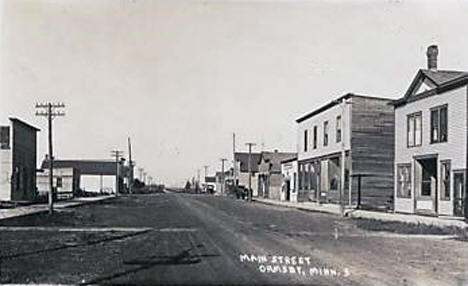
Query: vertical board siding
(24, 158)
(372, 150)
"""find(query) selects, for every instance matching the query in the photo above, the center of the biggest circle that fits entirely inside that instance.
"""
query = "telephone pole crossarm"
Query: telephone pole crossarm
(50, 111)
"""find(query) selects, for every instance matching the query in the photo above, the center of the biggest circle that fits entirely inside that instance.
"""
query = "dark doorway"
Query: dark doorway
(426, 184)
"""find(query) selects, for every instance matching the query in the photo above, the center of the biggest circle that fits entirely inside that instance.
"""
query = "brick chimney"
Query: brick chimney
(432, 52)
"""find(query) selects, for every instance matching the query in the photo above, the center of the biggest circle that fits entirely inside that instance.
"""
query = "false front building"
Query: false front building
(345, 152)
(18, 144)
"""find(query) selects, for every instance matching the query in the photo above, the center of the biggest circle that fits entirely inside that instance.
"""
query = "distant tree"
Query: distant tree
(188, 186)
(138, 184)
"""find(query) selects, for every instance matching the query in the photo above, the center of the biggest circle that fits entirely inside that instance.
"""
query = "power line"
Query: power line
(117, 154)
(250, 144)
(222, 174)
(50, 111)
(131, 165)
(206, 174)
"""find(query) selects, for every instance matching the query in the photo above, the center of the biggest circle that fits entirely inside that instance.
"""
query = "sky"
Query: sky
(179, 77)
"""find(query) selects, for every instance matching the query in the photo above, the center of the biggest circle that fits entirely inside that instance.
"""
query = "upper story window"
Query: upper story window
(338, 129)
(325, 133)
(414, 129)
(305, 140)
(4, 137)
(315, 137)
(439, 124)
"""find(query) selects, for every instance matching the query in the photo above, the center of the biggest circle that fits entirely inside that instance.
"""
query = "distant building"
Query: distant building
(210, 184)
(66, 182)
(270, 178)
(289, 174)
(242, 170)
(431, 142)
(98, 168)
(18, 147)
(221, 189)
(347, 147)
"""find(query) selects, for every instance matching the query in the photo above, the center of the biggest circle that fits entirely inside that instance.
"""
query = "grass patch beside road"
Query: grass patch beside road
(408, 228)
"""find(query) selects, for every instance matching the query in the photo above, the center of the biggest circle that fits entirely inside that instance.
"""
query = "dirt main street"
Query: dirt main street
(204, 240)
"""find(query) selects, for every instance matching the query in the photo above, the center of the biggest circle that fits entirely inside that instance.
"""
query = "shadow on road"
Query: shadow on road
(183, 258)
(67, 246)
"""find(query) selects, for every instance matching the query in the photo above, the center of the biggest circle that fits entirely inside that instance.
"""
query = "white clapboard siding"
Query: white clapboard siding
(454, 149)
(329, 115)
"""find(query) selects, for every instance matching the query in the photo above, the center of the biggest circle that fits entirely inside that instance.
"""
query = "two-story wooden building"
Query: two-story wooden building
(350, 137)
(431, 142)
(18, 147)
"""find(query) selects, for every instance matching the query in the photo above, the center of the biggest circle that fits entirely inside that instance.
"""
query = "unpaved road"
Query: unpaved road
(204, 240)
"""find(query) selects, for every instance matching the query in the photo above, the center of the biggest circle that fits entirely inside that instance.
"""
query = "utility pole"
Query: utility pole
(198, 179)
(222, 174)
(343, 105)
(140, 171)
(130, 167)
(117, 154)
(206, 174)
(234, 165)
(50, 111)
(150, 182)
(250, 144)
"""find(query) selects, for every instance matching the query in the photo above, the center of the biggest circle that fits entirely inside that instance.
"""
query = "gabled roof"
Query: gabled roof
(441, 76)
(243, 158)
(274, 159)
(438, 80)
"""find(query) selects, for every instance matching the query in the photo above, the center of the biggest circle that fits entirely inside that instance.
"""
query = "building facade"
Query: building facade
(431, 142)
(223, 181)
(270, 178)
(289, 185)
(66, 182)
(345, 152)
(18, 147)
(242, 170)
(210, 184)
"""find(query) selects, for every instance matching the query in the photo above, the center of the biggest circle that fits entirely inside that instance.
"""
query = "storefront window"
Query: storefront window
(404, 181)
(445, 180)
